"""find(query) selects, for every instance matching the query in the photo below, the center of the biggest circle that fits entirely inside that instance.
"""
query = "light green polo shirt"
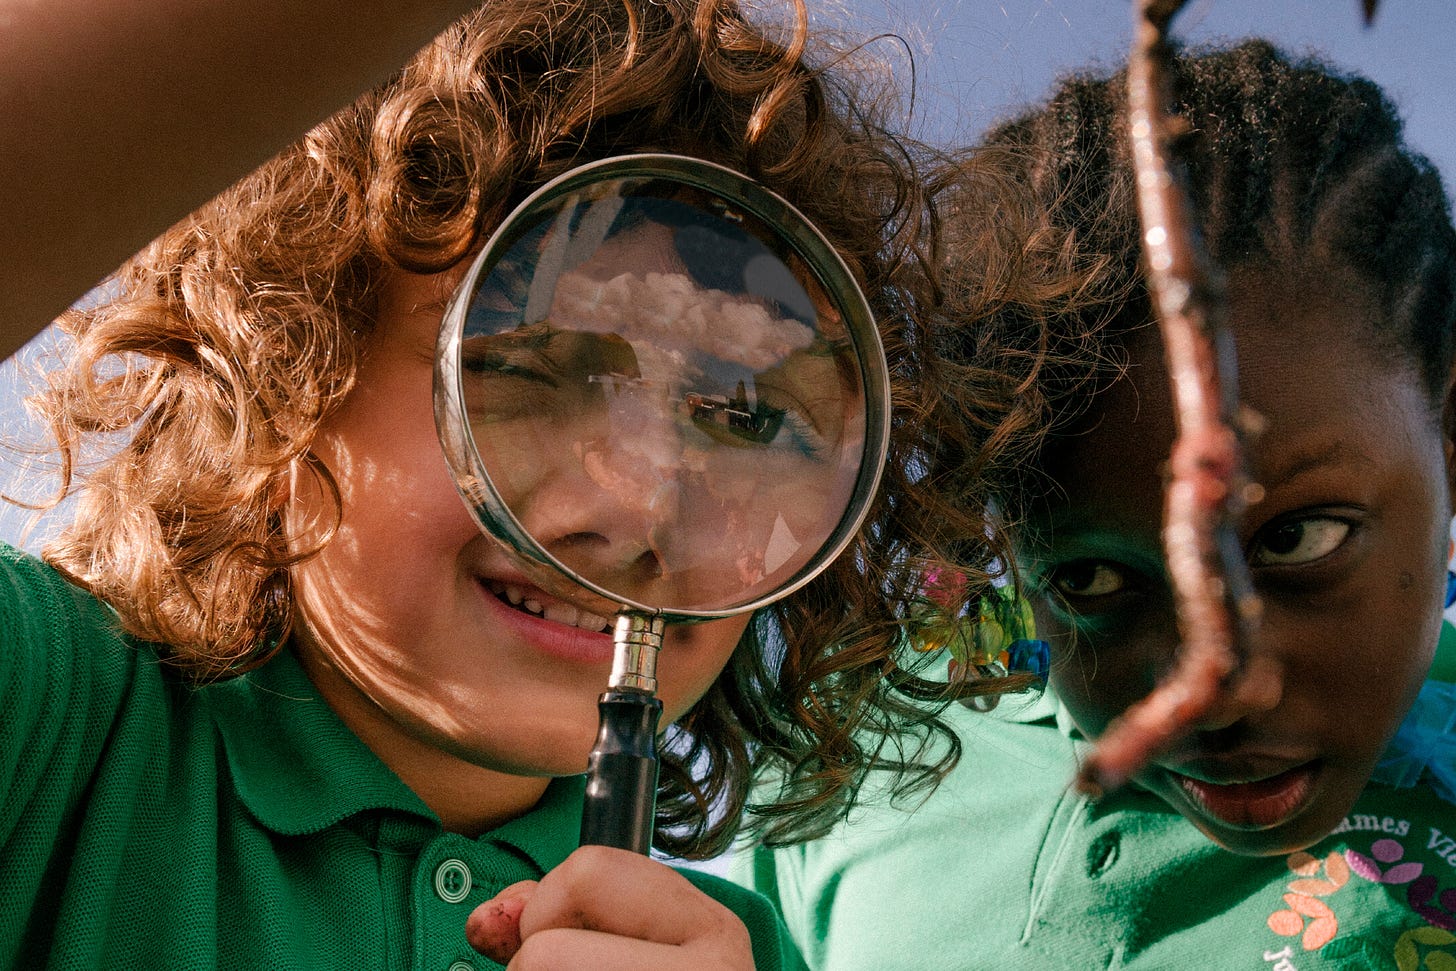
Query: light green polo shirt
(146, 824)
(1005, 868)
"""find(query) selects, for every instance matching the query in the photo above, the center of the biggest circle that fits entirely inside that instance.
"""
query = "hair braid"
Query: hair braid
(1289, 161)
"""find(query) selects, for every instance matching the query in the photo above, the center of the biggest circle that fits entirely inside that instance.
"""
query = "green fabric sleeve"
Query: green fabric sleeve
(61, 680)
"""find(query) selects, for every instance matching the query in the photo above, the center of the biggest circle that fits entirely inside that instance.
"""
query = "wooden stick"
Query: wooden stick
(1217, 608)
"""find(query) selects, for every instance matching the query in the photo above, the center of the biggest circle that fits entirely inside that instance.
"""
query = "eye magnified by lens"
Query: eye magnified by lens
(665, 402)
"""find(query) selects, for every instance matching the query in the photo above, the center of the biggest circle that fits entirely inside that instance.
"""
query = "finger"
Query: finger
(630, 896)
(567, 950)
(494, 928)
(617, 892)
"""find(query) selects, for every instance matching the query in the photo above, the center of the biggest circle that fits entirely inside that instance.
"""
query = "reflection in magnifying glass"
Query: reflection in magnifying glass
(722, 428)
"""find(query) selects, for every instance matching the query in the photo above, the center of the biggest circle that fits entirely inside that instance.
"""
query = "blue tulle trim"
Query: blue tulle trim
(1424, 743)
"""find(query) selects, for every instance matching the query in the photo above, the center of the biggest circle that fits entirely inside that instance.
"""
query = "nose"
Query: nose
(606, 500)
(1258, 688)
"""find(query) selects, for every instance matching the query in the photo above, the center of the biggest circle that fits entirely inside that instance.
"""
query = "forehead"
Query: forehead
(1308, 364)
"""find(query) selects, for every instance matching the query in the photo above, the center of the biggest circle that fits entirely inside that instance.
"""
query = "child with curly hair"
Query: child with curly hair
(1308, 821)
(269, 700)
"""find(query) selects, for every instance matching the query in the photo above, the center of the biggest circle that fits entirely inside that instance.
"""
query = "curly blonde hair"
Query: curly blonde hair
(239, 330)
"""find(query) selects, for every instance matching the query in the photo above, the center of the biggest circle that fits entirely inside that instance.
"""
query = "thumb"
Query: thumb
(494, 928)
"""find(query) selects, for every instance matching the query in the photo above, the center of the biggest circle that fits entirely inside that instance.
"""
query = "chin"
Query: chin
(1276, 842)
(549, 749)
(528, 764)
(1300, 833)
(1306, 805)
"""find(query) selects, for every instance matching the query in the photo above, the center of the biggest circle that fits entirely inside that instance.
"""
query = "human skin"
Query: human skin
(1347, 546)
(475, 703)
(108, 143)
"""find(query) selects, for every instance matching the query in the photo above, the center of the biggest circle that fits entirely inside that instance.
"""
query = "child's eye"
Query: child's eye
(737, 423)
(496, 365)
(1298, 541)
(521, 354)
(1087, 578)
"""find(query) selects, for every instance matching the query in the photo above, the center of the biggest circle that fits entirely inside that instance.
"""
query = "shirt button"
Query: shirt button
(1103, 853)
(461, 966)
(452, 882)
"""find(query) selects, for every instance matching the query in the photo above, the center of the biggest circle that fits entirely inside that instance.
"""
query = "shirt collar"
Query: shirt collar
(299, 769)
(548, 833)
(296, 767)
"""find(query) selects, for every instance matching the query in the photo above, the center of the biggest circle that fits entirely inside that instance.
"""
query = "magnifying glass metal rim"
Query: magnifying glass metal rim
(452, 419)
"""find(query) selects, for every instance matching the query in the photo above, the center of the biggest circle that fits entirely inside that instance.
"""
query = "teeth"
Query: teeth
(563, 614)
(560, 613)
(591, 621)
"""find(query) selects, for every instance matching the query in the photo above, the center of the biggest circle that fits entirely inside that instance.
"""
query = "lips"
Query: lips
(549, 626)
(1259, 803)
(533, 601)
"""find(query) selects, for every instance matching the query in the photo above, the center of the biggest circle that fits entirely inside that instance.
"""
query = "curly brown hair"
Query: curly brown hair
(224, 344)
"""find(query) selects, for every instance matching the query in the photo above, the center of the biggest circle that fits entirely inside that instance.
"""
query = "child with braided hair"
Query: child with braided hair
(1310, 820)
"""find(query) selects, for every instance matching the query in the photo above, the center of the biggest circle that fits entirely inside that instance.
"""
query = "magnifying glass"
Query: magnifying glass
(662, 391)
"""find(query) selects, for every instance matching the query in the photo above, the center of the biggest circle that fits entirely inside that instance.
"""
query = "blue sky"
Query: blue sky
(977, 61)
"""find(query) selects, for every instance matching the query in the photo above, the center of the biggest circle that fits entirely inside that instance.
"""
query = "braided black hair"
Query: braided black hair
(1290, 162)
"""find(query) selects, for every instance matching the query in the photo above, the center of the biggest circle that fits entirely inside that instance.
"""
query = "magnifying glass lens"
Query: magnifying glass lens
(666, 401)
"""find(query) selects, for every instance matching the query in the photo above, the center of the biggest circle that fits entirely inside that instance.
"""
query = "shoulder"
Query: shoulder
(909, 859)
(54, 632)
(67, 672)
(1014, 755)
(1014, 763)
(37, 603)
(773, 949)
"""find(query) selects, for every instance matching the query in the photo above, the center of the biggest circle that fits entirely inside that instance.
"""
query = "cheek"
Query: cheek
(384, 454)
(1356, 666)
(1099, 674)
(1093, 689)
(397, 530)
(693, 655)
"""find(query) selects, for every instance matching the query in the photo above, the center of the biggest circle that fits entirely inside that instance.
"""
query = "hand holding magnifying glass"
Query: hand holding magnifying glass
(664, 393)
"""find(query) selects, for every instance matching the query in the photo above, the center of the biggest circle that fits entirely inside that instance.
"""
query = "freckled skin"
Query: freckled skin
(1354, 465)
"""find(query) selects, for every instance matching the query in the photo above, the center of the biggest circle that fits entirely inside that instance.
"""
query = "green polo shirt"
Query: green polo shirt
(145, 823)
(1005, 867)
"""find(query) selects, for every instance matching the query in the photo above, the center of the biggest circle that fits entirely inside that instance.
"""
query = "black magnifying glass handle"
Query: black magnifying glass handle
(621, 783)
(621, 788)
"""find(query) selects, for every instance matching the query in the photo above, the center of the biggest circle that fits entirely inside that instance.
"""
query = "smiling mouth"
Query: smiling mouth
(1260, 804)
(527, 601)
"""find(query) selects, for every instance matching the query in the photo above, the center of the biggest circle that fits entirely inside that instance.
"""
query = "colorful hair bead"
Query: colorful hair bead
(1000, 639)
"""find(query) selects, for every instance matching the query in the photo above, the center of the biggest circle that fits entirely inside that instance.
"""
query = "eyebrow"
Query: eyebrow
(1305, 458)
